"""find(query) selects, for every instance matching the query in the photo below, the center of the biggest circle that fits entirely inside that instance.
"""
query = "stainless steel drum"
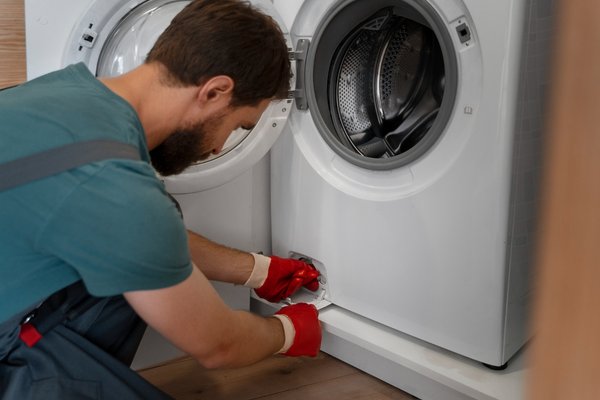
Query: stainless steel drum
(387, 84)
(382, 80)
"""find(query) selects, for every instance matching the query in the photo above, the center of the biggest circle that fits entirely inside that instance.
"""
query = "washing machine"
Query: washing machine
(409, 171)
(226, 198)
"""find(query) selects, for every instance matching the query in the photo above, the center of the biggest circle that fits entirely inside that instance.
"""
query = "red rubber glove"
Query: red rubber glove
(285, 276)
(302, 330)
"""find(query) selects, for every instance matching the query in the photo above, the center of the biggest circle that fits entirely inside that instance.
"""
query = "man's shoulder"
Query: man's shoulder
(125, 179)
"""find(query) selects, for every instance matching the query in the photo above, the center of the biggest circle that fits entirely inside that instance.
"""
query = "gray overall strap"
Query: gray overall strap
(51, 162)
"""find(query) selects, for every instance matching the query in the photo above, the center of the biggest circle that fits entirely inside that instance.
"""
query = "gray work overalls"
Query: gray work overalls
(73, 351)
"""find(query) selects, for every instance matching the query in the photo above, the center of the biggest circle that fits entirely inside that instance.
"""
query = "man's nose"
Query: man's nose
(220, 146)
(217, 150)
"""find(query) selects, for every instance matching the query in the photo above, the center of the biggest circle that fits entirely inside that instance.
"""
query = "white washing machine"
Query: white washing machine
(408, 172)
(225, 198)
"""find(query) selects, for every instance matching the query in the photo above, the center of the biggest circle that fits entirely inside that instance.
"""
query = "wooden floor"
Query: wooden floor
(281, 378)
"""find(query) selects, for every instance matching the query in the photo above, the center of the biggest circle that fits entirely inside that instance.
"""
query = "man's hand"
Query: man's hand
(302, 330)
(275, 278)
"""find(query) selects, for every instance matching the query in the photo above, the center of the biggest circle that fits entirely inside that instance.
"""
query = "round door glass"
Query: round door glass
(132, 39)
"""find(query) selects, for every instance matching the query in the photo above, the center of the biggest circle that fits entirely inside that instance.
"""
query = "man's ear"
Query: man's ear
(216, 92)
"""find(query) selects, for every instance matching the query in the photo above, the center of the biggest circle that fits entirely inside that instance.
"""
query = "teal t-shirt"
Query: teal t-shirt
(108, 223)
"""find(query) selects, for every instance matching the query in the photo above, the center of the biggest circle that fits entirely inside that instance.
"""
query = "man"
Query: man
(108, 228)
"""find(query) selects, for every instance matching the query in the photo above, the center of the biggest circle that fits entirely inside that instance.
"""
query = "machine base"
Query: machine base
(421, 369)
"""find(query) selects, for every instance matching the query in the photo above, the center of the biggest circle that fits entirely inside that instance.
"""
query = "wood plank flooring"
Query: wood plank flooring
(12, 42)
(276, 378)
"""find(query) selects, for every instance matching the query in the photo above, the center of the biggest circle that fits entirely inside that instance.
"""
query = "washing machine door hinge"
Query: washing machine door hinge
(299, 56)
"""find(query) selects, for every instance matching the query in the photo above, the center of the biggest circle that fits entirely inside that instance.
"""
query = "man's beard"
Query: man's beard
(183, 148)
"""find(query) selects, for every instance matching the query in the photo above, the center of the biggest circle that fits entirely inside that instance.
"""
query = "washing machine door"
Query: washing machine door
(114, 36)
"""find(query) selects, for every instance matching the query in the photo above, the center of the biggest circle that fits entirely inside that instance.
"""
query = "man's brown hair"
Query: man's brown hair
(226, 37)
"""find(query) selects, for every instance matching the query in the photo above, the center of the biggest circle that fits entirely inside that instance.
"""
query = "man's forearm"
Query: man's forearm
(218, 262)
(194, 318)
(258, 338)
